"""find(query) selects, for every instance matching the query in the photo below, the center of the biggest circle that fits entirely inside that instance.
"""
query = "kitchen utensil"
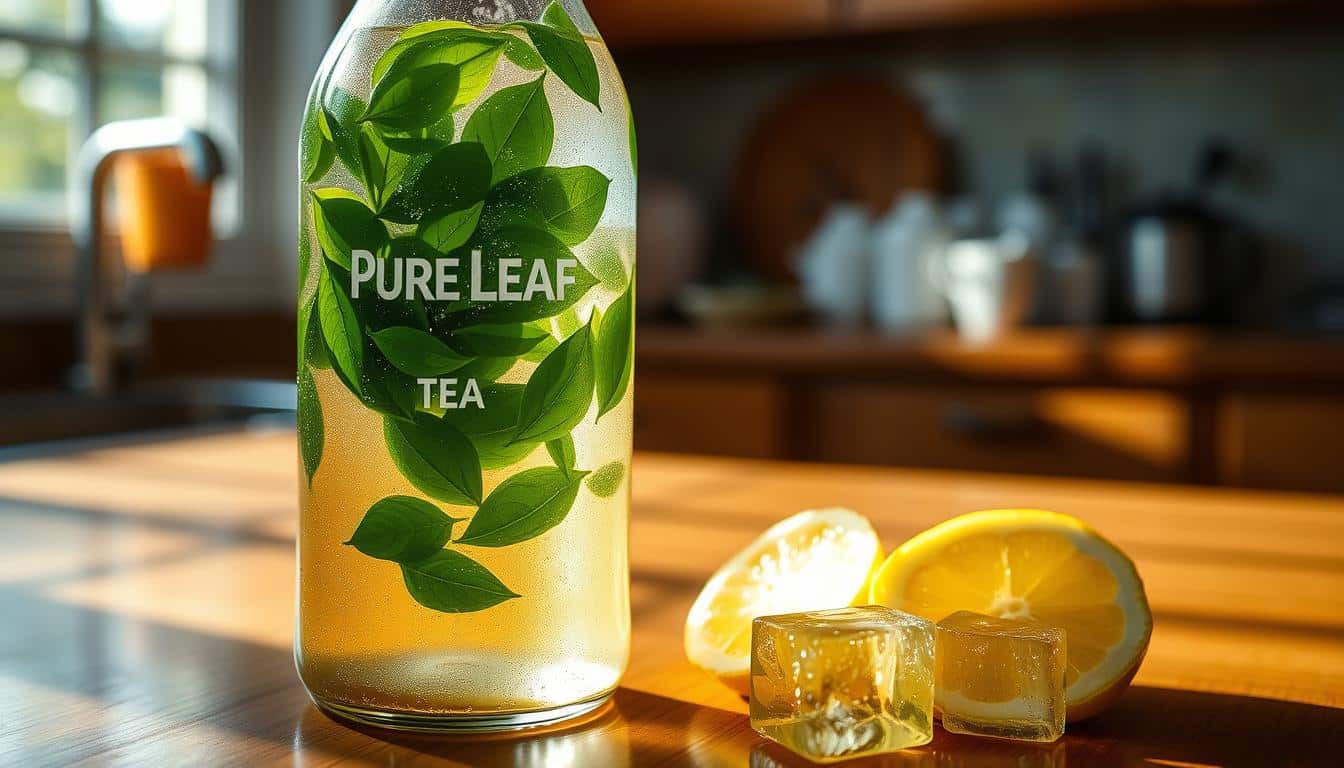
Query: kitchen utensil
(906, 246)
(833, 265)
(990, 284)
(846, 138)
(1181, 259)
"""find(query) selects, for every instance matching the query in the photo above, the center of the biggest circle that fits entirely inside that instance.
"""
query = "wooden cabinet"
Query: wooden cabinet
(1127, 435)
(1279, 441)
(623, 22)
(720, 416)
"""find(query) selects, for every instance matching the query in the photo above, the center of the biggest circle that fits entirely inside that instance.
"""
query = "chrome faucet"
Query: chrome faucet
(107, 343)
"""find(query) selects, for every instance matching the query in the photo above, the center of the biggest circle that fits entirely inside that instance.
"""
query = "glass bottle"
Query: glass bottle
(466, 335)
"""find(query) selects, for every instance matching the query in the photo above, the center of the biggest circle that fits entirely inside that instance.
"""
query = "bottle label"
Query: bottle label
(448, 293)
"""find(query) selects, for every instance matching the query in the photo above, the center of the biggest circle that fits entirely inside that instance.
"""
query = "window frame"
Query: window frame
(92, 54)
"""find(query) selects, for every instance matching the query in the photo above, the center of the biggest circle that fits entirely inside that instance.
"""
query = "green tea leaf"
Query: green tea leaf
(605, 482)
(455, 178)
(560, 391)
(416, 352)
(341, 330)
(345, 224)
(403, 529)
(510, 340)
(317, 153)
(515, 127)
(374, 157)
(342, 114)
(536, 252)
(449, 231)
(436, 457)
(562, 453)
(475, 54)
(567, 202)
(562, 45)
(614, 352)
(523, 507)
(311, 433)
(524, 55)
(406, 100)
(451, 582)
(490, 429)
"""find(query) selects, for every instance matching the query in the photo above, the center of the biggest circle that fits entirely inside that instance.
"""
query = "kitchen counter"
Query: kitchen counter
(147, 590)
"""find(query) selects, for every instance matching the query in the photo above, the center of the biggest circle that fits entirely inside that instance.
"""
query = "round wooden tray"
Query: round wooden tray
(843, 138)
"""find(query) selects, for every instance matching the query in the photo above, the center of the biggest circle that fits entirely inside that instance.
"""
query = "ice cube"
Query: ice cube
(1001, 677)
(832, 685)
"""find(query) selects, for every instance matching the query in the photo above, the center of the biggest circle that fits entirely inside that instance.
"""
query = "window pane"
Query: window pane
(48, 16)
(39, 94)
(177, 27)
(128, 92)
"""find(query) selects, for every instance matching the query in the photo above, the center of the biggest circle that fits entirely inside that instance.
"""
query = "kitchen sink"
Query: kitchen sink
(63, 415)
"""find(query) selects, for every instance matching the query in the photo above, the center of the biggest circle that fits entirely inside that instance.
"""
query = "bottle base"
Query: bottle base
(465, 723)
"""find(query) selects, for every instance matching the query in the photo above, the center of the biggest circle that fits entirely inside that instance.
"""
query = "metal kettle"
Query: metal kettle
(1183, 261)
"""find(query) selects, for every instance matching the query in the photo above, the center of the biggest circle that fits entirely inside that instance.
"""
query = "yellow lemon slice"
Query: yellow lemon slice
(812, 561)
(1031, 564)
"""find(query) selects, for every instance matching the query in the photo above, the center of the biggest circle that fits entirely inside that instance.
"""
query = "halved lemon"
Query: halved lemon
(812, 561)
(1031, 564)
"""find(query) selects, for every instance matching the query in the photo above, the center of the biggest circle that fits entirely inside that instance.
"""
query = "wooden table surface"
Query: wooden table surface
(147, 599)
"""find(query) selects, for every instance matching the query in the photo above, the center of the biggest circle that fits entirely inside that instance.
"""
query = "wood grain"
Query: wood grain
(147, 596)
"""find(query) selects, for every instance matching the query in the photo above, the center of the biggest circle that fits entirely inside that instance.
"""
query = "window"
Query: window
(68, 66)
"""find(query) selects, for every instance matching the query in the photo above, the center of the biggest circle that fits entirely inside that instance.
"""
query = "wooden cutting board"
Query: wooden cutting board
(844, 138)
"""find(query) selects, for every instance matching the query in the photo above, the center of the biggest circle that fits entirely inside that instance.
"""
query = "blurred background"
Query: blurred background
(1097, 238)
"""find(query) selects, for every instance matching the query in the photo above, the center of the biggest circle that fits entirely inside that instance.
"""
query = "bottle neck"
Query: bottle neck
(373, 13)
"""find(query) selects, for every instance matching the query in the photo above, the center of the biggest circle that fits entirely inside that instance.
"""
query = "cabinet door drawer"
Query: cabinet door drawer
(691, 414)
(1281, 441)
(1120, 434)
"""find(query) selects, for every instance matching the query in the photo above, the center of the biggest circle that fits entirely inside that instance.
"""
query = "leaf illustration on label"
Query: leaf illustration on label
(312, 347)
(408, 99)
(422, 33)
(342, 113)
(606, 264)
(491, 429)
(475, 54)
(345, 224)
(562, 453)
(515, 127)
(317, 153)
(455, 178)
(451, 582)
(340, 329)
(449, 231)
(403, 529)
(523, 507)
(416, 352)
(562, 45)
(614, 352)
(511, 340)
(523, 54)
(634, 137)
(311, 433)
(605, 482)
(550, 278)
(558, 395)
(567, 202)
(383, 168)
(436, 458)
